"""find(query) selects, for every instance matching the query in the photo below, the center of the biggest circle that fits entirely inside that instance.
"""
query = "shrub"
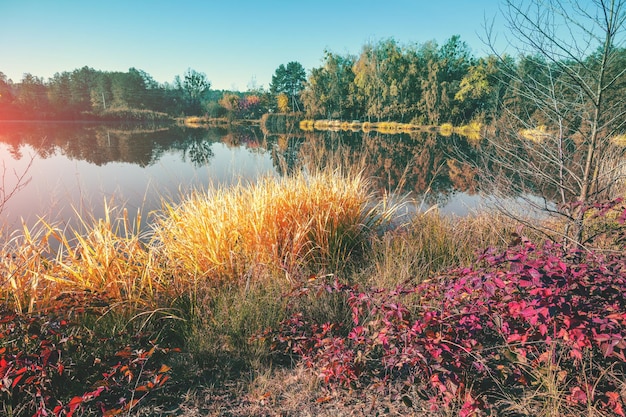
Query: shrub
(52, 364)
(522, 330)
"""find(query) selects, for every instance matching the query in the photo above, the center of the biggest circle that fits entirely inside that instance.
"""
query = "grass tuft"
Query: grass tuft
(277, 225)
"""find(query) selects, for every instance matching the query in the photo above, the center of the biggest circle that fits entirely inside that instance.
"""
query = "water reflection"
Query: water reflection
(76, 167)
(422, 164)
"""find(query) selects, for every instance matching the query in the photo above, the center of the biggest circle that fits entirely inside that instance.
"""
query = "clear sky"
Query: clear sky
(234, 42)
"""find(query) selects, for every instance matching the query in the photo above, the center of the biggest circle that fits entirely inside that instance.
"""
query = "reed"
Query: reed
(108, 257)
(276, 225)
(471, 131)
(537, 134)
(619, 140)
(432, 243)
(307, 125)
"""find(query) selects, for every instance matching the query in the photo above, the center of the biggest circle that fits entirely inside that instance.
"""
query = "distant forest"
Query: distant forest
(425, 83)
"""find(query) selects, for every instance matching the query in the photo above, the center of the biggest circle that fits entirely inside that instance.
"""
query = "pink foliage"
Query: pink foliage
(482, 326)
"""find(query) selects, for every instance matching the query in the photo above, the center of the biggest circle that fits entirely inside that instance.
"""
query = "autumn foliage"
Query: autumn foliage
(51, 364)
(496, 335)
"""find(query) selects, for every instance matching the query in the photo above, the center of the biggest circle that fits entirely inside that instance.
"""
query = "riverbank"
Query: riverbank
(295, 296)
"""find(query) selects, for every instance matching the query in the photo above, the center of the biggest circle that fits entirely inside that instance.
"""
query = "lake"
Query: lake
(71, 170)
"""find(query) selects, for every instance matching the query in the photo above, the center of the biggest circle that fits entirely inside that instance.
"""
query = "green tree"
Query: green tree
(6, 94)
(483, 88)
(289, 80)
(81, 83)
(59, 94)
(445, 68)
(369, 82)
(32, 96)
(193, 87)
(329, 90)
(128, 89)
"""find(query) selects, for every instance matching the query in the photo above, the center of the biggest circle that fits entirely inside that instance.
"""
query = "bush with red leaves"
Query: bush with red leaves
(51, 364)
(479, 332)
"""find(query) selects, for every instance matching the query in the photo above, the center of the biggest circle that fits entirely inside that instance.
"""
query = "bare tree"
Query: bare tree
(565, 104)
(11, 182)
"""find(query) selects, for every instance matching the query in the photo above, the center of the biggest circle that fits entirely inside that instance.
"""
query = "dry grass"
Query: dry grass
(298, 392)
(619, 140)
(432, 243)
(109, 258)
(225, 258)
(355, 126)
(276, 225)
(537, 134)
(446, 129)
(472, 131)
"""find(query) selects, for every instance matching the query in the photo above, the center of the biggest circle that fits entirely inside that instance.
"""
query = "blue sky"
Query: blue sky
(234, 42)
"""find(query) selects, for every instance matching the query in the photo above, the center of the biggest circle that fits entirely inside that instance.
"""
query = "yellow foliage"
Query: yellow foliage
(471, 131)
(109, 259)
(282, 101)
(537, 134)
(307, 125)
(355, 126)
(446, 129)
(276, 225)
(619, 140)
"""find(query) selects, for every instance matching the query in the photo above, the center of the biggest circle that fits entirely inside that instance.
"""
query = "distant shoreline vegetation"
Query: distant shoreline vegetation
(393, 86)
(472, 130)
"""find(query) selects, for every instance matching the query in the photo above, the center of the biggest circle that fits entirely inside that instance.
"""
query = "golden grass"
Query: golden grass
(619, 140)
(446, 129)
(110, 259)
(274, 225)
(201, 121)
(537, 134)
(277, 226)
(307, 125)
(356, 126)
(432, 243)
(471, 131)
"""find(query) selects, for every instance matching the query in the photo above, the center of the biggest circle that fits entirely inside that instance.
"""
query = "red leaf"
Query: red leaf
(16, 380)
(75, 401)
(124, 353)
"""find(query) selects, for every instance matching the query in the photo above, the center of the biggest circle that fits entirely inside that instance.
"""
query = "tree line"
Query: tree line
(88, 94)
(423, 83)
(432, 84)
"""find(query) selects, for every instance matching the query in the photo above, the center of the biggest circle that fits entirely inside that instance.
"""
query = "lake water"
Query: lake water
(74, 169)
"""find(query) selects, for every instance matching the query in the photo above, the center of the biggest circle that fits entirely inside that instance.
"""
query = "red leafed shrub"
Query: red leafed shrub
(481, 333)
(51, 364)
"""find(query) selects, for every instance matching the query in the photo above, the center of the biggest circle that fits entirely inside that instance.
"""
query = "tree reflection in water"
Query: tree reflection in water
(423, 164)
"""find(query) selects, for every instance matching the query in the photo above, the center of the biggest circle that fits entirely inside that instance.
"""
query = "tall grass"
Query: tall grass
(228, 260)
(108, 256)
(432, 243)
(276, 225)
